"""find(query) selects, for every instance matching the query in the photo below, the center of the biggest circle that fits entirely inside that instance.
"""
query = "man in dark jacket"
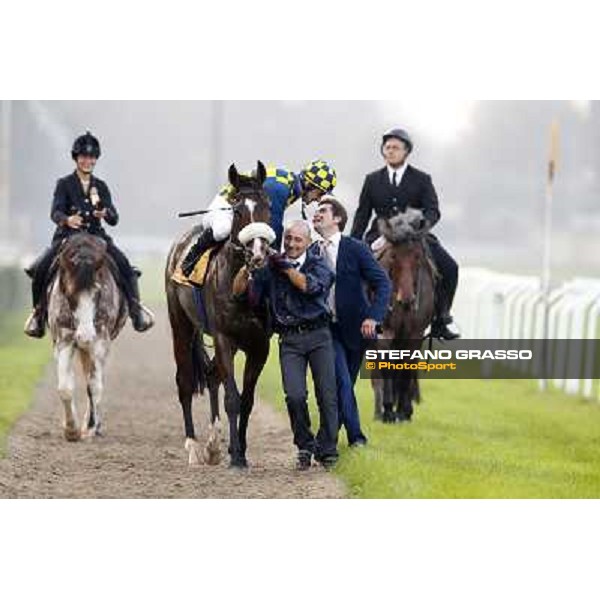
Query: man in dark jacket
(81, 202)
(354, 317)
(295, 286)
(394, 188)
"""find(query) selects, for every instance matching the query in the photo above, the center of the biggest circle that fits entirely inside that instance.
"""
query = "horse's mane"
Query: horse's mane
(84, 275)
(403, 227)
(80, 257)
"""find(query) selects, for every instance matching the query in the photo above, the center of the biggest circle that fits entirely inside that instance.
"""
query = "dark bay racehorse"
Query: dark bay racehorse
(231, 322)
(405, 258)
(86, 311)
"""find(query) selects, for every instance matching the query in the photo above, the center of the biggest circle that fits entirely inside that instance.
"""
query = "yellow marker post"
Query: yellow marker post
(547, 245)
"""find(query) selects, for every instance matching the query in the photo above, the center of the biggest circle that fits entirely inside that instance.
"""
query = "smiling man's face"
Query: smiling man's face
(296, 240)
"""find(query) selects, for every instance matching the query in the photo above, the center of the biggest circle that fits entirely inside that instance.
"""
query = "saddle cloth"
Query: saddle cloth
(198, 275)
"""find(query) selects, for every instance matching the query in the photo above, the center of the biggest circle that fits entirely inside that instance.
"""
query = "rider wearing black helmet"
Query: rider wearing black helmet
(81, 203)
(394, 188)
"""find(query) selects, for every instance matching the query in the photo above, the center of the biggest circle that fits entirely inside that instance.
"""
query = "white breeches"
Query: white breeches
(220, 221)
(378, 244)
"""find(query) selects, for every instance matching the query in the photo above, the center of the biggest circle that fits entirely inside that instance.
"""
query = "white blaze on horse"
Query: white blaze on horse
(86, 311)
(234, 323)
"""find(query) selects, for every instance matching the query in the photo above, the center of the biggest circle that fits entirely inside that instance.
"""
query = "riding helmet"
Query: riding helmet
(399, 134)
(320, 175)
(86, 144)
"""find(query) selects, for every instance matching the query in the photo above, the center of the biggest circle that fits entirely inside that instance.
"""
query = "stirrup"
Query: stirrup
(439, 330)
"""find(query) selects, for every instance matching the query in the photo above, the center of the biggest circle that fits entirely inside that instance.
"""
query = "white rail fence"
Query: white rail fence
(497, 305)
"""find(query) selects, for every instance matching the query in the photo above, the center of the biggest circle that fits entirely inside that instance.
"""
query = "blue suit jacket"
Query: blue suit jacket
(356, 269)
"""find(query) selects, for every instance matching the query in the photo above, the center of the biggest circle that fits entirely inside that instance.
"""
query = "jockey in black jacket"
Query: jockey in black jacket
(394, 188)
(81, 203)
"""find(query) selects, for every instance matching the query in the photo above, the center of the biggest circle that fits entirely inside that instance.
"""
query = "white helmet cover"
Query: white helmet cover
(256, 230)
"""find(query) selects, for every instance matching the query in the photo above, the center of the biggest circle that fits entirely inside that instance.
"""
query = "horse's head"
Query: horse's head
(403, 227)
(80, 259)
(403, 253)
(251, 214)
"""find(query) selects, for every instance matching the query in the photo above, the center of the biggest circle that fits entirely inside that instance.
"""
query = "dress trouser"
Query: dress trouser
(448, 269)
(347, 365)
(296, 351)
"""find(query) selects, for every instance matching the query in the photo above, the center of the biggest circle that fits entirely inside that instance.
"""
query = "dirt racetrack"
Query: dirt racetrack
(141, 454)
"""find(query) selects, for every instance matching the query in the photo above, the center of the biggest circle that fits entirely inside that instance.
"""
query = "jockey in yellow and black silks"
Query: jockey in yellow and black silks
(283, 188)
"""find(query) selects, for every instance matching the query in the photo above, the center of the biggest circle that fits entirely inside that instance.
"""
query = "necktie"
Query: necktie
(328, 248)
(394, 181)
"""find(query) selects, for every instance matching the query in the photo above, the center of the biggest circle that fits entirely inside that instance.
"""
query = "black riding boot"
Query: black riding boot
(444, 290)
(439, 327)
(203, 243)
(32, 269)
(41, 272)
(35, 325)
(141, 318)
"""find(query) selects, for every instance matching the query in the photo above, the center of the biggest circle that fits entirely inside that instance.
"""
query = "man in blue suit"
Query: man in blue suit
(354, 318)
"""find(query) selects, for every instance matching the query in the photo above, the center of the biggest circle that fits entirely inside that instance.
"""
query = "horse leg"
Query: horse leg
(66, 389)
(404, 391)
(93, 366)
(212, 449)
(225, 365)
(213, 384)
(86, 365)
(183, 338)
(388, 399)
(377, 386)
(90, 419)
(255, 361)
(415, 395)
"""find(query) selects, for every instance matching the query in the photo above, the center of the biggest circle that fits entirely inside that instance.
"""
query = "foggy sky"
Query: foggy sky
(163, 157)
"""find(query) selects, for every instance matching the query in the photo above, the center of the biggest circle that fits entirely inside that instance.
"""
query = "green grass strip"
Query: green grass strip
(470, 439)
(22, 364)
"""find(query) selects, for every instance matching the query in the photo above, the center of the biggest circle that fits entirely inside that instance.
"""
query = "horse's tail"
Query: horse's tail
(200, 363)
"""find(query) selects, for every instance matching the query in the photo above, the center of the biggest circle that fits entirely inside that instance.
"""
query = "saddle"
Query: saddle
(198, 275)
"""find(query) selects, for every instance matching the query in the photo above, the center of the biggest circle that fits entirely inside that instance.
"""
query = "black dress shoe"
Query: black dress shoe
(303, 461)
(360, 443)
(327, 462)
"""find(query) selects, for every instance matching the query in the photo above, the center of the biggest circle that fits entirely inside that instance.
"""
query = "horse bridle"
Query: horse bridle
(237, 246)
(420, 239)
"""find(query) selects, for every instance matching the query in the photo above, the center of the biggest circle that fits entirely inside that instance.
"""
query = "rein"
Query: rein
(423, 263)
